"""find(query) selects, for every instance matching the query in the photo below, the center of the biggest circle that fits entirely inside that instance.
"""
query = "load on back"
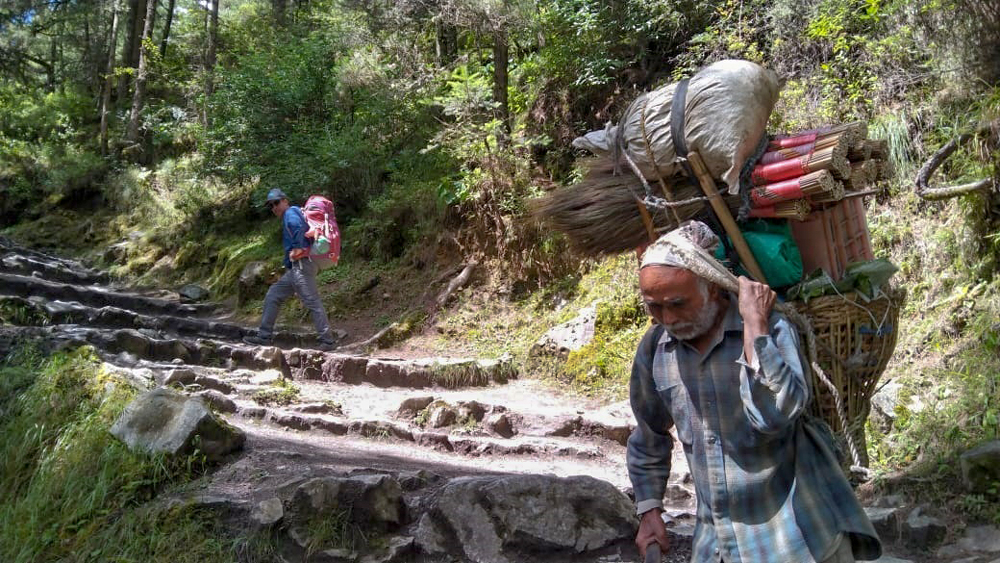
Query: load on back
(793, 212)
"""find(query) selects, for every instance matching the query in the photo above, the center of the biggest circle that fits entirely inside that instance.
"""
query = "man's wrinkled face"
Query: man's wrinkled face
(679, 300)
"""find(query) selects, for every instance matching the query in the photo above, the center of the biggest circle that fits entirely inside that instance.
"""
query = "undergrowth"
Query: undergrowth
(71, 491)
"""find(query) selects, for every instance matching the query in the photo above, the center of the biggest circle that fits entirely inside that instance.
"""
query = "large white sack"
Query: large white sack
(727, 108)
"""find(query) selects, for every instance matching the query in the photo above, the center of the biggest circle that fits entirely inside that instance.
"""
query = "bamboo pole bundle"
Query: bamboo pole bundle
(825, 159)
(812, 184)
(837, 143)
(867, 168)
(861, 150)
(836, 193)
(797, 209)
(850, 133)
(857, 181)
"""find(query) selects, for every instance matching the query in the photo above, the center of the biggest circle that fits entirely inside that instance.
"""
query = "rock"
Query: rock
(499, 424)
(397, 550)
(192, 293)
(883, 412)
(181, 376)
(494, 520)
(413, 405)
(569, 336)
(164, 267)
(415, 480)
(922, 531)
(252, 281)
(981, 466)
(339, 334)
(267, 513)
(430, 539)
(441, 414)
(163, 420)
(891, 559)
(318, 408)
(375, 501)
(471, 410)
(981, 538)
(885, 521)
(217, 400)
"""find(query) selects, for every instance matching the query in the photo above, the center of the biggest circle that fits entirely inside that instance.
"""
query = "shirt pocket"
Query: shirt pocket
(679, 406)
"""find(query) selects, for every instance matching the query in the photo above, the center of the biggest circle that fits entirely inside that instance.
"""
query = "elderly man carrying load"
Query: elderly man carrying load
(728, 372)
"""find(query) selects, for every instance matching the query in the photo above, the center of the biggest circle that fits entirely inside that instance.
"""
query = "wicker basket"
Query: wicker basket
(854, 341)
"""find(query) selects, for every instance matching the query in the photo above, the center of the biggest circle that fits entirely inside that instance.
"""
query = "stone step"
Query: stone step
(11, 248)
(55, 312)
(463, 444)
(51, 269)
(97, 296)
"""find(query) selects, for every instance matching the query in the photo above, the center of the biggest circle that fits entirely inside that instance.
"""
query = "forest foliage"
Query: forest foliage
(431, 123)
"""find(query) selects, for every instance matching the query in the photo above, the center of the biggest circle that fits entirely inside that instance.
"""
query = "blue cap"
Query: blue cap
(275, 195)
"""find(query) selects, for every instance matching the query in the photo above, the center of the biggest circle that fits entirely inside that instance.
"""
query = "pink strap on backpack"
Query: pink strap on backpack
(320, 216)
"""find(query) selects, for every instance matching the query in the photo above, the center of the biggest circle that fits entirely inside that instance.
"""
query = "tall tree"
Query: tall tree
(501, 57)
(166, 27)
(141, 74)
(109, 78)
(213, 36)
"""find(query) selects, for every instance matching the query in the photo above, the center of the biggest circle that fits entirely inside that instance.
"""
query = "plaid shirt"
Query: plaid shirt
(768, 484)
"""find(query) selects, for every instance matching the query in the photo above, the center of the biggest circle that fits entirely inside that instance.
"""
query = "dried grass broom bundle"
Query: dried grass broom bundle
(812, 184)
(600, 214)
(857, 181)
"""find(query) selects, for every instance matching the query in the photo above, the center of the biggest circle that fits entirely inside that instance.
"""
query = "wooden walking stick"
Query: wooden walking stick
(725, 217)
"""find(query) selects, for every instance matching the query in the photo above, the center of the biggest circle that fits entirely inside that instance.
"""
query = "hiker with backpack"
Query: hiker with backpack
(311, 241)
(727, 372)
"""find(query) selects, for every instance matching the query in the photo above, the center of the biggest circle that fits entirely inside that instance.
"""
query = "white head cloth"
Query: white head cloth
(660, 253)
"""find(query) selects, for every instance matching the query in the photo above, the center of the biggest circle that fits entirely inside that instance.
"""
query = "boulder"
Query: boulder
(375, 501)
(217, 400)
(885, 521)
(192, 293)
(267, 513)
(252, 281)
(498, 520)
(981, 538)
(883, 412)
(981, 466)
(441, 414)
(163, 420)
(499, 423)
(413, 405)
(471, 410)
(569, 336)
(922, 531)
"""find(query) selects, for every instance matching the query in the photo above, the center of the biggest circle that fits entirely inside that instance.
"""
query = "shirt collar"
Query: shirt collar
(731, 322)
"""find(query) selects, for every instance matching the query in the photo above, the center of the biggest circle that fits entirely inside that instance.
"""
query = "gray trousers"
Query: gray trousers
(299, 280)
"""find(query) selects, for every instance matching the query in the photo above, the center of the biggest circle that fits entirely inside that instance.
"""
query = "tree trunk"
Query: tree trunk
(213, 31)
(140, 76)
(500, 60)
(128, 47)
(446, 43)
(166, 28)
(278, 9)
(109, 79)
(53, 64)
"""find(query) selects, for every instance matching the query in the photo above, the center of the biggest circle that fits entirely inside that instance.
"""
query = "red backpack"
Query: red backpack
(323, 230)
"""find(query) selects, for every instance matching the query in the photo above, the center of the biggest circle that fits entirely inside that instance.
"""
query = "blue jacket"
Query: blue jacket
(293, 231)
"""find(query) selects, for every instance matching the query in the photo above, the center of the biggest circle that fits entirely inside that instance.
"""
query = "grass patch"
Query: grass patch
(281, 394)
(72, 491)
(21, 312)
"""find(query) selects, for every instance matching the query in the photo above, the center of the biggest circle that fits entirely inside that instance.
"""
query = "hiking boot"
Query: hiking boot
(325, 346)
(257, 341)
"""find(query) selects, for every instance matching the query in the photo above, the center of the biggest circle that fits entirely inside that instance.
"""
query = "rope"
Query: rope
(652, 159)
(705, 266)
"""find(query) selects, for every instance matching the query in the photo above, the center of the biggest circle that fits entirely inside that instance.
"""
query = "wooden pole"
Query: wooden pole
(725, 217)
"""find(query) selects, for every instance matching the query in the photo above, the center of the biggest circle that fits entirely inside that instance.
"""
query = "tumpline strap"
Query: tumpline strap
(677, 120)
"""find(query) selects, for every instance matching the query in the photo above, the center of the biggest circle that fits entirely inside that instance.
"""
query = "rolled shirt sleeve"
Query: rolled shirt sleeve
(650, 444)
(773, 386)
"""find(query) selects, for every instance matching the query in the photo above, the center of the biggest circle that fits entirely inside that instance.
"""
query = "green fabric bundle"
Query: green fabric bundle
(775, 250)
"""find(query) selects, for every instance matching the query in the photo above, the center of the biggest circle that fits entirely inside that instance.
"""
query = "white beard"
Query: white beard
(706, 320)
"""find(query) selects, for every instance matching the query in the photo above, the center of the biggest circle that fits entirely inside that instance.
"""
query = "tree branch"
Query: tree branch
(925, 191)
